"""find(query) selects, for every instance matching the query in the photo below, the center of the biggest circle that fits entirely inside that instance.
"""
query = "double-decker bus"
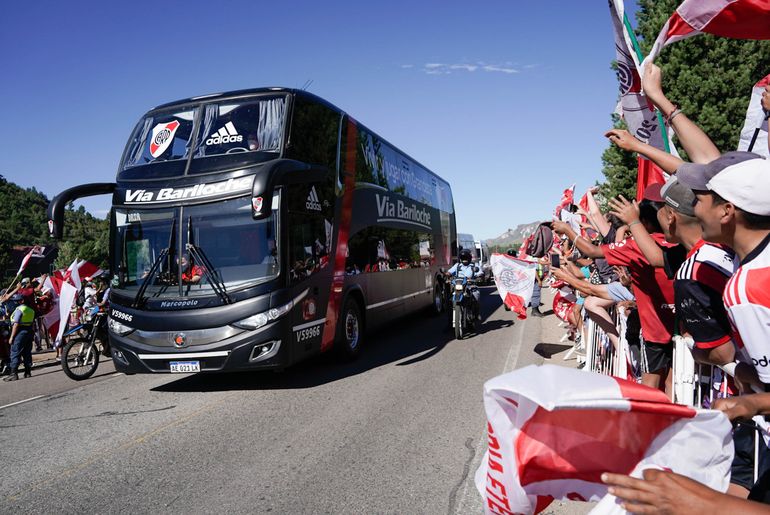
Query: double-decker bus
(253, 229)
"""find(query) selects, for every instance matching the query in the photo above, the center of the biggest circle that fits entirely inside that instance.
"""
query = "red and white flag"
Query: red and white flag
(755, 126)
(738, 19)
(515, 281)
(567, 198)
(67, 285)
(552, 432)
(35, 252)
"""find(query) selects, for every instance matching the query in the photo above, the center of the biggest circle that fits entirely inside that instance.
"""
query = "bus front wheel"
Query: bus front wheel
(350, 330)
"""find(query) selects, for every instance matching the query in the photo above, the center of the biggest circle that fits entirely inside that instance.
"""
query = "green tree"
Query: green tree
(23, 222)
(708, 77)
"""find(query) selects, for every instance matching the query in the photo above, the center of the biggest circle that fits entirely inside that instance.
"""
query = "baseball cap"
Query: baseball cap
(678, 196)
(746, 185)
(695, 175)
(25, 280)
(652, 192)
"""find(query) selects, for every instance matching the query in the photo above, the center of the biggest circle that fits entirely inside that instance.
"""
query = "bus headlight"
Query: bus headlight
(118, 328)
(262, 319)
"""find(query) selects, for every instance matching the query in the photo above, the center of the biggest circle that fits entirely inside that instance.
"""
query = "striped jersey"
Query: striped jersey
(700, 278)
(747, 299)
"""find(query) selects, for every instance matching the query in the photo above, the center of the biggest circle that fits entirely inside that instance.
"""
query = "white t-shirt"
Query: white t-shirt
(747, 299)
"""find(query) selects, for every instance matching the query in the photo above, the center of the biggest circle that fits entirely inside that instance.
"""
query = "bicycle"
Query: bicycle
(80, 356)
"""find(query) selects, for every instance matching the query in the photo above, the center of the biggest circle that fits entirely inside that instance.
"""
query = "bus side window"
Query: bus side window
(307, 246)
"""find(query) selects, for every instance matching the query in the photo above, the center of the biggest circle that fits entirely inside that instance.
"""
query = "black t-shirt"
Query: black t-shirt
(699, 280)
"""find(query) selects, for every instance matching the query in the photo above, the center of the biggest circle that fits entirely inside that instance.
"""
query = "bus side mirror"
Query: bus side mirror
(279, 172)
(56, 208)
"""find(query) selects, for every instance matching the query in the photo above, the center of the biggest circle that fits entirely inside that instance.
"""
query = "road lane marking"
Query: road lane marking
(469, 501)
(36, 397)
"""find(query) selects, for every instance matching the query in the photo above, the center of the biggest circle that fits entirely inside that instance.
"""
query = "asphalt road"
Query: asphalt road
(401, 430)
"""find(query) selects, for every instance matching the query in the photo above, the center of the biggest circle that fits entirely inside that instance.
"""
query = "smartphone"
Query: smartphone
(555, 261)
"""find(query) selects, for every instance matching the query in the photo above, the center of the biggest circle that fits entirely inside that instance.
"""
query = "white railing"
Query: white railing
(601, 355)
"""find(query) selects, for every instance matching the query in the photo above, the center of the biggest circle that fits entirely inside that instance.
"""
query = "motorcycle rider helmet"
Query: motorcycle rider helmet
(465, 255)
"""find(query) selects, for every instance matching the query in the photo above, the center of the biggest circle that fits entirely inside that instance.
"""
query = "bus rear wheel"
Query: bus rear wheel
(350, 329)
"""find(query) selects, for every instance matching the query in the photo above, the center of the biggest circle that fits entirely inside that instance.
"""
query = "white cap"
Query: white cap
(746, 185)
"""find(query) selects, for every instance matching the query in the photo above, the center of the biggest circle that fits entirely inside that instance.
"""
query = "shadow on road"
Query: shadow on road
(547, 350)
(415, 338)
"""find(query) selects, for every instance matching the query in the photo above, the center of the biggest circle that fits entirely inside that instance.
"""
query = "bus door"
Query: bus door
(309, 229)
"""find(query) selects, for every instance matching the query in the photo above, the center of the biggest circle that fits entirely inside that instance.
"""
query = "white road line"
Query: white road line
(22, 402)
(470, 501)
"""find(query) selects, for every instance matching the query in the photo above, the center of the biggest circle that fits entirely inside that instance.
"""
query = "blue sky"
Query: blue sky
(507, 100)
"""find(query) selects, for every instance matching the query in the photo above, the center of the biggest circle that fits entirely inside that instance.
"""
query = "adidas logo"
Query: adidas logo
(312, 200)
(226, 134)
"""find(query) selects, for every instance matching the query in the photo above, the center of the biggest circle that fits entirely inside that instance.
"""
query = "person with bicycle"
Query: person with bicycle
(22, 319)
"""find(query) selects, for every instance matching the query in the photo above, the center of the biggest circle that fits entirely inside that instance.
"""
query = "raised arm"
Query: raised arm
(583, 245)
(595, 214)
(629, 213)
(698, 145)
(624, 140)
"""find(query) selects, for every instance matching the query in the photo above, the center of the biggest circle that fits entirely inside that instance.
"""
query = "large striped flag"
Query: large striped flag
(515, 281)
(739, 19)
(755, 127)
(640, 115)
(552, 432)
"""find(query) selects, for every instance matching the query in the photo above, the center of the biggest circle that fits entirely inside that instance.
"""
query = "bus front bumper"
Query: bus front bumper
(149, 353)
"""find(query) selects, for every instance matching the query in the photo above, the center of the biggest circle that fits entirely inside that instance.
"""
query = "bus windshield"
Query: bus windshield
(182, 250)
(253, 125)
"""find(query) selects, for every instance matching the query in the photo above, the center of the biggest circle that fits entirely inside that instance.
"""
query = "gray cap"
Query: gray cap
(678, 196)
(695, 176)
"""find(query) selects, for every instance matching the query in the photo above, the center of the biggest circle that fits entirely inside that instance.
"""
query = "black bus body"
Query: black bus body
(253, 229)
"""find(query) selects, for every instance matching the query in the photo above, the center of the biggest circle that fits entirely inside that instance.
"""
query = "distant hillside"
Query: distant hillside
(512, 236)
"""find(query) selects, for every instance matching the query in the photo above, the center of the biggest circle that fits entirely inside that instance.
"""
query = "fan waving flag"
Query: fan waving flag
(738, 19)
(754, 132)
(552, 432)
(515, 281)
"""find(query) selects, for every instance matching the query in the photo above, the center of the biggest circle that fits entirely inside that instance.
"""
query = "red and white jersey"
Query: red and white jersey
(747, 299)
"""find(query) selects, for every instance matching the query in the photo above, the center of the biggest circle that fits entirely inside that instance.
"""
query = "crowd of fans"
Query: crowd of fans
(689, 261)
(23, 308)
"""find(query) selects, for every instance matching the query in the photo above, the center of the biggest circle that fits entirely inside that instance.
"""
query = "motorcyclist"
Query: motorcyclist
(465, 268)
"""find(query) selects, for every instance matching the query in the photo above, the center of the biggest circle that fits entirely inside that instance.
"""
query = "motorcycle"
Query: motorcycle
(464, 313)
(80, 355)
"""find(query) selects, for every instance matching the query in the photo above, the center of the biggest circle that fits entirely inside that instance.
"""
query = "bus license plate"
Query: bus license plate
(182, 367)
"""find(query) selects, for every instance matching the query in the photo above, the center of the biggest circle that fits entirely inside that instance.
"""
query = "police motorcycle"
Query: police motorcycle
(464, 315)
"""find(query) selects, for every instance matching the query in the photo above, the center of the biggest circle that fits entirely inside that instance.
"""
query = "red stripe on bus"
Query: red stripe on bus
(338, 278)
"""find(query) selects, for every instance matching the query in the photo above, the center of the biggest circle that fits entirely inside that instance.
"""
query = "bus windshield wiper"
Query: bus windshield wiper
(197, 254)
(168, 252)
